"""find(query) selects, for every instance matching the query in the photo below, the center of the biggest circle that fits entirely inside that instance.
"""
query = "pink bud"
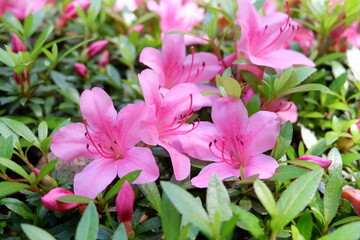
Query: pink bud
(70, 11)
(49, 200)
(80, 69)
(352, 195)
(16, 44)
(104, 59)
(322, 162)
(124, 203)
(137, 28)
(96, 47)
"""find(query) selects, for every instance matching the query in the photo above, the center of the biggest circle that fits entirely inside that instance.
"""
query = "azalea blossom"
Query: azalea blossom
(50, 201)
(322, 162)
(124, 206)
(177, 15)
(22, 8)
(174, 67)
(234, 142)
(109, 138)
(263, 38)
(352, 195)
(172, 110)
(70, 11)
(286, 110)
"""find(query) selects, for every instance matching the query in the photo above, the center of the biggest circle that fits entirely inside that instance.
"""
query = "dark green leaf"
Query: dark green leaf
(45, 170)
(283, 140)
(120, 233)
(89, 224)
(287, 172)
(14, 167)
(266, 198)
(18, 207)
(130, 177)
(151, 192)
(7, 188)
(170, 219)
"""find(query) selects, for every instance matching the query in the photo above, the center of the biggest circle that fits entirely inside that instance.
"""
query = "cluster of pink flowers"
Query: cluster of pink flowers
(234, 142)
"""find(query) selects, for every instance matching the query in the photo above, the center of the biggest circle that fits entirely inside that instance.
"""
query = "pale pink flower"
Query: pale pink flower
(80, 69)
(235, 142)
(22, 8)
(286, 110)
(70, 11)
(50, 201)
(177, 15)
(174, 67)
(352, 195)
(131, 5)
(350, 35)
(263, 39)
(305, 38)
(322, 162)
(172, 110)
(96, 47)
(109, 138)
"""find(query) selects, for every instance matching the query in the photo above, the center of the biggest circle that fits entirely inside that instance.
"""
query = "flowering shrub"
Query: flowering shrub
(179, 119)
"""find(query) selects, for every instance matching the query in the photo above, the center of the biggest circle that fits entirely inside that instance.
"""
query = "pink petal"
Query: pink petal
(136, 122)
(152, 58)
(261, 132)
(180, 162)
(285, 110)
(149, 82)
(261, 164)
(247, 15)
(322, 162)
(98, 110)
(125, 202)
(70, 142)
(173, 49)
(139, 158)
(50, 201)
(95, 177)
(281, 59)
(223, 170)
(230, 116)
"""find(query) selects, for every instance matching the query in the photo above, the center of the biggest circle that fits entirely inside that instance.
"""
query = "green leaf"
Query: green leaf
(7, 188)
(42, 130)
(130, 177)
(14, 167)
(249, 221)
(283, 140)
(298, 76)
(217, 199)
(279, 83)
(35, 233)
(210, 24)
(32, 22)
(188, 206)
(75, 199)
(345, 220)
(89, 224)
(41, 40)
(295, 198)
(127, 50)
(170, 219)
(6, 147)
(287, 172)
(306, 88)
(266, 197)
(305, 225)
(253, 106)
(349, 232)
(22, 130)
(45, 170)
(120, 233)
(336, 165)
(18, 207)
(151, 192)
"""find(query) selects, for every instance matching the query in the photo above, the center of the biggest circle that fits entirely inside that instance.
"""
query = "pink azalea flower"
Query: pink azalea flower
(70, 11)
(50, 201)
(352, 195)
(235, 142)
(172, 110)
(109, 138)
(322, 162)
(132, 5)
(286, 110)
(177, 15)
(270, 7)
(262, 39)
(22, 8)
(174, 67)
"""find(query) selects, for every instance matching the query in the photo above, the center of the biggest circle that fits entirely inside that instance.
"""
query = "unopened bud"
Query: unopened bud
(80, 70)
(16, 44)
(50, 200)
(96, 47)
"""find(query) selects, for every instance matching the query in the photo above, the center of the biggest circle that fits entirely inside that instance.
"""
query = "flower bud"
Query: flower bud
(322, 162)
(50, 200)
(124, 203)
(104, 59)
(16, 44)
(46, 181)
(96, 47)
(80, 70)
(70, 11)
(352, 195)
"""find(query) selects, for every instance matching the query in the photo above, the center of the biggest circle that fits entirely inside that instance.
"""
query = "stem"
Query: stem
(273, 235)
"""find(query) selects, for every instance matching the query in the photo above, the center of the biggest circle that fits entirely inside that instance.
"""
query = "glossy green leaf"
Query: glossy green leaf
(130, 177)
(45, 170)
(151, 192)
(120, 233)
(22, 130)
(42, 130)
(89, 224)
(18, 207)
(283, 140)
(266, 197)
(75, 199)
(349, 232)
(170, 219)
(7, 188)
(36, 233)
(14, 167)
(305, 225)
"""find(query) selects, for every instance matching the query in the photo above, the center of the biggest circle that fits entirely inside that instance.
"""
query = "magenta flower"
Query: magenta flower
(96, 47)
(49, 200)
(23, 9)
(286, 110)
(352, 195)
(125, 202)
(174, 67)
(70, 11)
(104, 58)
(80, 69)
(235, 142)
(263, 39)
(322, 162)
(16, 44)
(177, 15)
(171, 112)
(109, 138)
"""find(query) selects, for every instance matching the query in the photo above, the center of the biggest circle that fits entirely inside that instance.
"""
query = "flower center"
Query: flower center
(231, 150)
